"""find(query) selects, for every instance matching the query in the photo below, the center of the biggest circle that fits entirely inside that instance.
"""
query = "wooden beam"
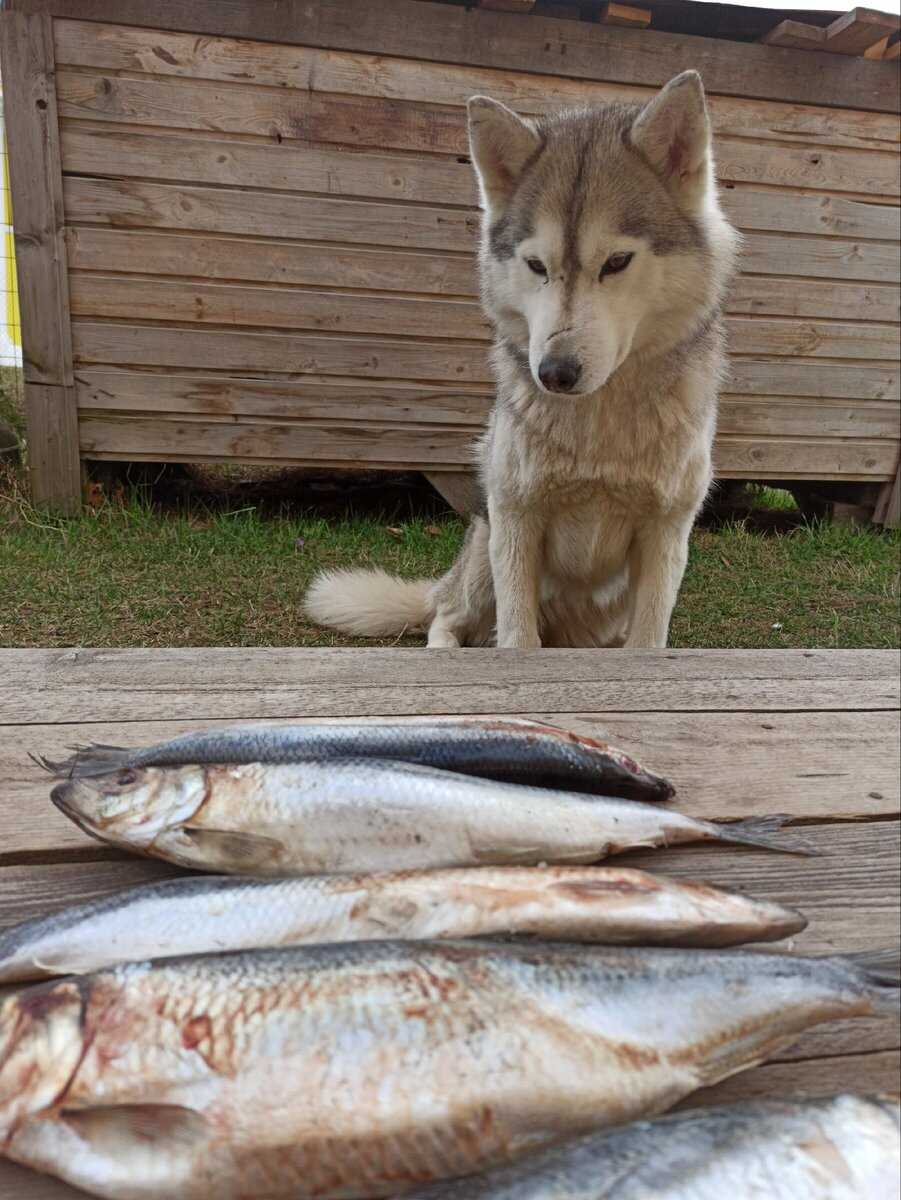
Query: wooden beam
(795, 35)
(26, 60)
(856, 31)
(54, 465)
(513, 6)
(893, 52)
(461, 489)
(888, 506)
(625, 15)
(456, 34)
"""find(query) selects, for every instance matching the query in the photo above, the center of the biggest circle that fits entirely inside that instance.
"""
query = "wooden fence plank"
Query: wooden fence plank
(296, 400)
(216, 257)
(285, 115)
(444, 33)
(140, 298)
(161, 52)
(283, 308)
(260, 353)
(26, 51)
(150, 393)
(142, 204)
(26, 48)
(358, 444)
(54, 465)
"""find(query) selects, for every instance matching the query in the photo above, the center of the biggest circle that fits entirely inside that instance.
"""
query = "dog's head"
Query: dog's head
(603, 232)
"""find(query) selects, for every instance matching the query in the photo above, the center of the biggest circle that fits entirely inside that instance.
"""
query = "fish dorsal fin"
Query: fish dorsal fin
(231, 850)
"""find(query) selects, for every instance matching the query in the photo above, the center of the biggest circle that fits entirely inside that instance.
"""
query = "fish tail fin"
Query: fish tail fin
(766, 832)
(86, 761)
(370, 603)
(880, 972)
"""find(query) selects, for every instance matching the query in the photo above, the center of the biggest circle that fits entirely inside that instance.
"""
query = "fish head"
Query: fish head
(132, 806)
(41, 1045)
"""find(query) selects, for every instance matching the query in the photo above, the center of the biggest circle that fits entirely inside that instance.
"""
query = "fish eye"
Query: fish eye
(126, 777)
(616, 263)
(537, 266)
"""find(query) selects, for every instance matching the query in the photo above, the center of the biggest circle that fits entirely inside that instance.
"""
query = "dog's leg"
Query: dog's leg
(657, 561)
(514, 548)
(441, 633)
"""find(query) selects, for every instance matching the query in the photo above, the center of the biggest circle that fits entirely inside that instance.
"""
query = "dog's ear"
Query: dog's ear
(672, 134)
(501, 143)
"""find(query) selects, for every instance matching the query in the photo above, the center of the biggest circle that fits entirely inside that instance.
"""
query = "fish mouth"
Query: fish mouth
(63, 796)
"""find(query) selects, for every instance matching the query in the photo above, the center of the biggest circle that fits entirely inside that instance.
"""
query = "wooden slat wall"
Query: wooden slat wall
(271, 247)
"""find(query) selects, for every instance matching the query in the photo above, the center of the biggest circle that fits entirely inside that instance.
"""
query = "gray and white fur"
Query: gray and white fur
(604, 262)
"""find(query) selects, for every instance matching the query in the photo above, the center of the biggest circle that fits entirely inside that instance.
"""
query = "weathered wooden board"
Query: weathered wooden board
(328, 400)
(419, 446)
(222, 258)
(142, 204)
(281, 114)
(443, 33)
(26, 49)
(54, 465)
(161, 52)
(259, 353)
(139, 298)
(206, 684)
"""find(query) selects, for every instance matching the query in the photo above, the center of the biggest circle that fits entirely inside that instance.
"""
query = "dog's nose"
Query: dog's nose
(559, 374)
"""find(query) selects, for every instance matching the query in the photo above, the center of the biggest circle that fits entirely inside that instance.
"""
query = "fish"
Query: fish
(218, 913)
(507, 748)
(352, 815)
(361, 1070)
(844, 1147)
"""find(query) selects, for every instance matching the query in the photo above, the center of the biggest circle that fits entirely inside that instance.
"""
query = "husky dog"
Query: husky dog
(604, 262)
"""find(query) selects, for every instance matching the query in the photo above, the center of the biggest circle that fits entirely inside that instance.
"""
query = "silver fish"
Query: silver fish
(360, 1070)
(198, 915)
(521, 751)
(842, 1148)
(350, 815)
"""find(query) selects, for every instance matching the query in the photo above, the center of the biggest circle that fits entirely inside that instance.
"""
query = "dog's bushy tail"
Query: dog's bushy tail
(370, 603)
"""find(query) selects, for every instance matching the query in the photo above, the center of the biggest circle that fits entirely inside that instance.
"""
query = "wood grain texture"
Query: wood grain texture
(91, 685)
(856, 31)
(160, 52)
(26, 53)
(796, 35)
(284, 116)
(54, 466)
(431, 446)
(139, 298)
(141, 204)
(442, 33)
(221, 258)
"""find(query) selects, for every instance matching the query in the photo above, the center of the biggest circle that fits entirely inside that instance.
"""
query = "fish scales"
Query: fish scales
(345, 1071)
(517, 750)
(215, 913)
(348, 815)
(845, 1147)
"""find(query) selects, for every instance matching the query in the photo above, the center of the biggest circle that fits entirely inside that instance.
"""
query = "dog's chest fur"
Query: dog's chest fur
(592, 469)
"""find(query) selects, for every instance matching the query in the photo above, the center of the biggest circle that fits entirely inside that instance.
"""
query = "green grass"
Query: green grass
(128, 574)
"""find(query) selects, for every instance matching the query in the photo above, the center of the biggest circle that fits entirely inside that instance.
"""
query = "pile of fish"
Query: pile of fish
(406, 981)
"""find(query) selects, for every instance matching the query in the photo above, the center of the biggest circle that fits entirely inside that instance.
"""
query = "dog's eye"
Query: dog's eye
(536, 265)
(616, 263)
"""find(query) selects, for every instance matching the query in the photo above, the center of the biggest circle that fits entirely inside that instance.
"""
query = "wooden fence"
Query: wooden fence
(256, 244)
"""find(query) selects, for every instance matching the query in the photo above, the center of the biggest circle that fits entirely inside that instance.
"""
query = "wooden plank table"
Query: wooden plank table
(811, 733)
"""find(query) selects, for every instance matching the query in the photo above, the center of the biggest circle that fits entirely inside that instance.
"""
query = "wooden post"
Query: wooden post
(459, 488)
(26, 53)
(888, 507)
